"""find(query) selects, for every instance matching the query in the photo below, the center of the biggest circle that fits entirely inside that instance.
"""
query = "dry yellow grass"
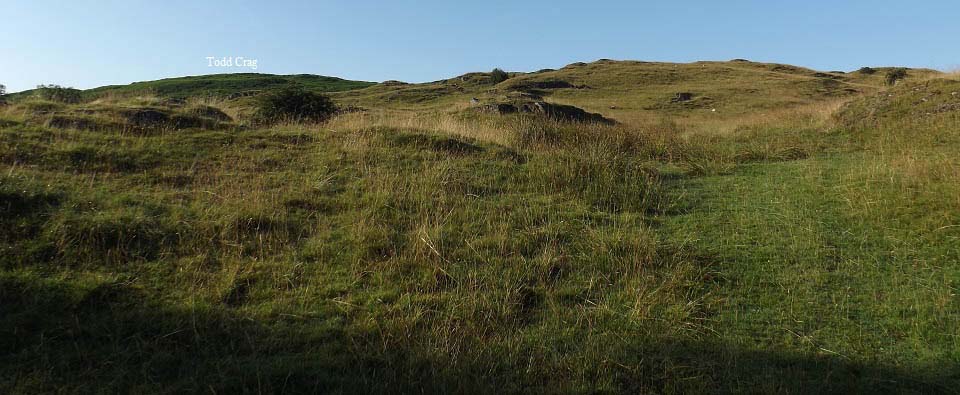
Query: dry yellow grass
(486, 129)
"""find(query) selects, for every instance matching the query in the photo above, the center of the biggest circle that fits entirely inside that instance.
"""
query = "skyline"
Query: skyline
(86, 44)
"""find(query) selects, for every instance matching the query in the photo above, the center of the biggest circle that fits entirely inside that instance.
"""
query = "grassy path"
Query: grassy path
(814, 265)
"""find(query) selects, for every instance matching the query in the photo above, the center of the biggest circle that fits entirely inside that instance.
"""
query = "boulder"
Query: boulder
(499, 108)
(559, 112)
(682, 97)
(146, 117)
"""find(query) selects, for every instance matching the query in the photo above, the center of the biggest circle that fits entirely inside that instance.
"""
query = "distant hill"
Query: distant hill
(223, 85)
(627, 91)
(632, 89)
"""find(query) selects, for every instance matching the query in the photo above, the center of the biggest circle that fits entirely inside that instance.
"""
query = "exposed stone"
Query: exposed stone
(558, 112)
(499, 108)
(146, 117)
(682, 97)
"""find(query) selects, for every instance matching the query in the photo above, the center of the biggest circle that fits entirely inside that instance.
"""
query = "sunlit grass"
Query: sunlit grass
(812, 247)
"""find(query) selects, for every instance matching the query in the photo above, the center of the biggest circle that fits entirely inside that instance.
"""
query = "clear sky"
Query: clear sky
(86, 43)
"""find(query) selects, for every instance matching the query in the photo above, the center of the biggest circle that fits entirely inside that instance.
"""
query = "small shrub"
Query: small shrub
(867, 70)
(895, 75)
(59, 94)
(295, 104)
(498, 76)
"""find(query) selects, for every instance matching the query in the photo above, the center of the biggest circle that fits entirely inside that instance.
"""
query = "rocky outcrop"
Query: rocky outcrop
(559, 112)
(146, 117)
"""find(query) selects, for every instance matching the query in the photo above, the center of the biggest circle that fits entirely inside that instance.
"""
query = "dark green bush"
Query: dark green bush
(895, 75)
(59, 94)
(867, 70)
(498, 76)
(294, 104)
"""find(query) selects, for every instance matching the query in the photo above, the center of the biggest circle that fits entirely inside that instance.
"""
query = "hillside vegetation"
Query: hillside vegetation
(217, 85)
(778, 230)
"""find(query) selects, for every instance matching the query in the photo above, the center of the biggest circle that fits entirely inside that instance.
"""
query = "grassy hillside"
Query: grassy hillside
(219, 85)
(803, 238)
(641, 92)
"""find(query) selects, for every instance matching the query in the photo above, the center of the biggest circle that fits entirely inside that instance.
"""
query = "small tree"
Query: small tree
(498, 76)
(295, 104)
(895, 75)
(58, 93)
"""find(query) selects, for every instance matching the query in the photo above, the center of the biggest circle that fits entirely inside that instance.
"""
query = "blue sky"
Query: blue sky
(85, 43)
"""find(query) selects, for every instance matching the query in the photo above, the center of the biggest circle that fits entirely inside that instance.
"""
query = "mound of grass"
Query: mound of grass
(139, 115)
(231, 84)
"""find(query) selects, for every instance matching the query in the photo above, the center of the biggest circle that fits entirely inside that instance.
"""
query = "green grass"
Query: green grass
(797, 251)
(387, 255)
(814, 266)
(640, 92)
(220, 85)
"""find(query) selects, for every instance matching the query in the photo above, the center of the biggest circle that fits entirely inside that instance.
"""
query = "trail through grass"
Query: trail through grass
(817, 259)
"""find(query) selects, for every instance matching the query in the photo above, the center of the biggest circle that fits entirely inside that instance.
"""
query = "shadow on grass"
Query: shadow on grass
(114, 338)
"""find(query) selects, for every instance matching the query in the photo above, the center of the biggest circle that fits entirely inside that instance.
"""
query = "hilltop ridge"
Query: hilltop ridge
(223, 85)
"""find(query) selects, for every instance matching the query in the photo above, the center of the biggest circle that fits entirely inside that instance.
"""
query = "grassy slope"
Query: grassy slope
(789, 252)
(221, 85)
(641, 91)
(851, 253)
